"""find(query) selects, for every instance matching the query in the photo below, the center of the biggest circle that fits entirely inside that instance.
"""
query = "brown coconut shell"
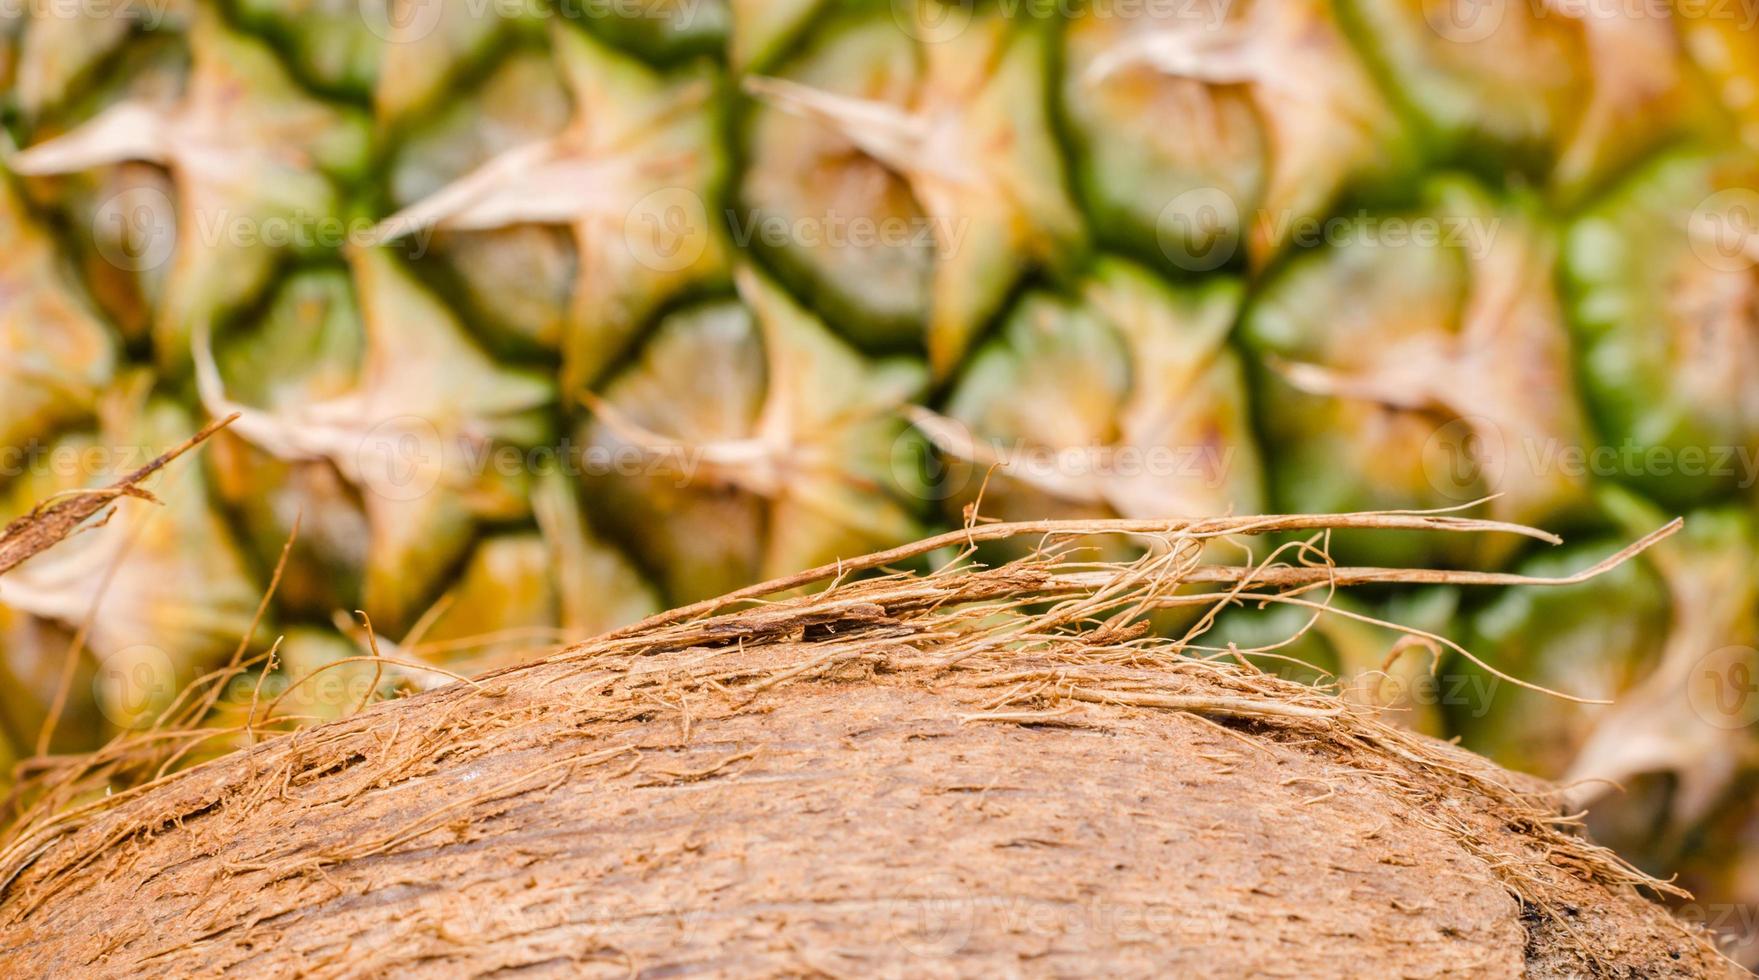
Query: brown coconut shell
(974, 772)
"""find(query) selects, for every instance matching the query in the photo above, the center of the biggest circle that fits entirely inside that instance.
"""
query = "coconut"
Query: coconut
(971, 770)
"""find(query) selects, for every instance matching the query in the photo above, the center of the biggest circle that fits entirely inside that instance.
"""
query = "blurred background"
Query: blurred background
(543, 315)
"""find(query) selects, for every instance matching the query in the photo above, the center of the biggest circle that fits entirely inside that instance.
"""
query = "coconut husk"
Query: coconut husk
(970, 770)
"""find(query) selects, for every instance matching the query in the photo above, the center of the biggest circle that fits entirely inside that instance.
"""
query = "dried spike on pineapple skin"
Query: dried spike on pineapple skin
(779, 457)
(1675, 720)
(1642, 94)
(162, 583)
(1208, 137)
(307, 349)
(940, 150)
(60, 48)
(662, 237)
(428, 45)
(710, 532)
(247, 150)
(1570, 93)
(799, 170)
(515, 281)
(1424, 369)
(411, 432)
(631, 173)
(1120, 399)
(425, 379)
(1465, 81)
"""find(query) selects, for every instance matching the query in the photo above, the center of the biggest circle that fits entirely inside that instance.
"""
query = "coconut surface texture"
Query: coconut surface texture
(973, 771)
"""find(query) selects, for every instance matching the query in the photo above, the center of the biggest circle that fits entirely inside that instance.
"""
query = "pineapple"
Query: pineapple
(541, 316)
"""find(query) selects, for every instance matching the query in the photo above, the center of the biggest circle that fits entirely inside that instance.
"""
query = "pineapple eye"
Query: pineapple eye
(586, 211)
(1422, 360)
(1207, 137)
(56, 356)
(746, 440)
(1121, 400)
(906, 181)
(1665, 297)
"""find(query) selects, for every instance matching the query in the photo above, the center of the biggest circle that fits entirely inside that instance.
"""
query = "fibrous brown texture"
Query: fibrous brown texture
(978, 770)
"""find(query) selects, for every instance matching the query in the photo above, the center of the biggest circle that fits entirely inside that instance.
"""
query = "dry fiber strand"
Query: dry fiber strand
(54, 520)
(970, 771)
